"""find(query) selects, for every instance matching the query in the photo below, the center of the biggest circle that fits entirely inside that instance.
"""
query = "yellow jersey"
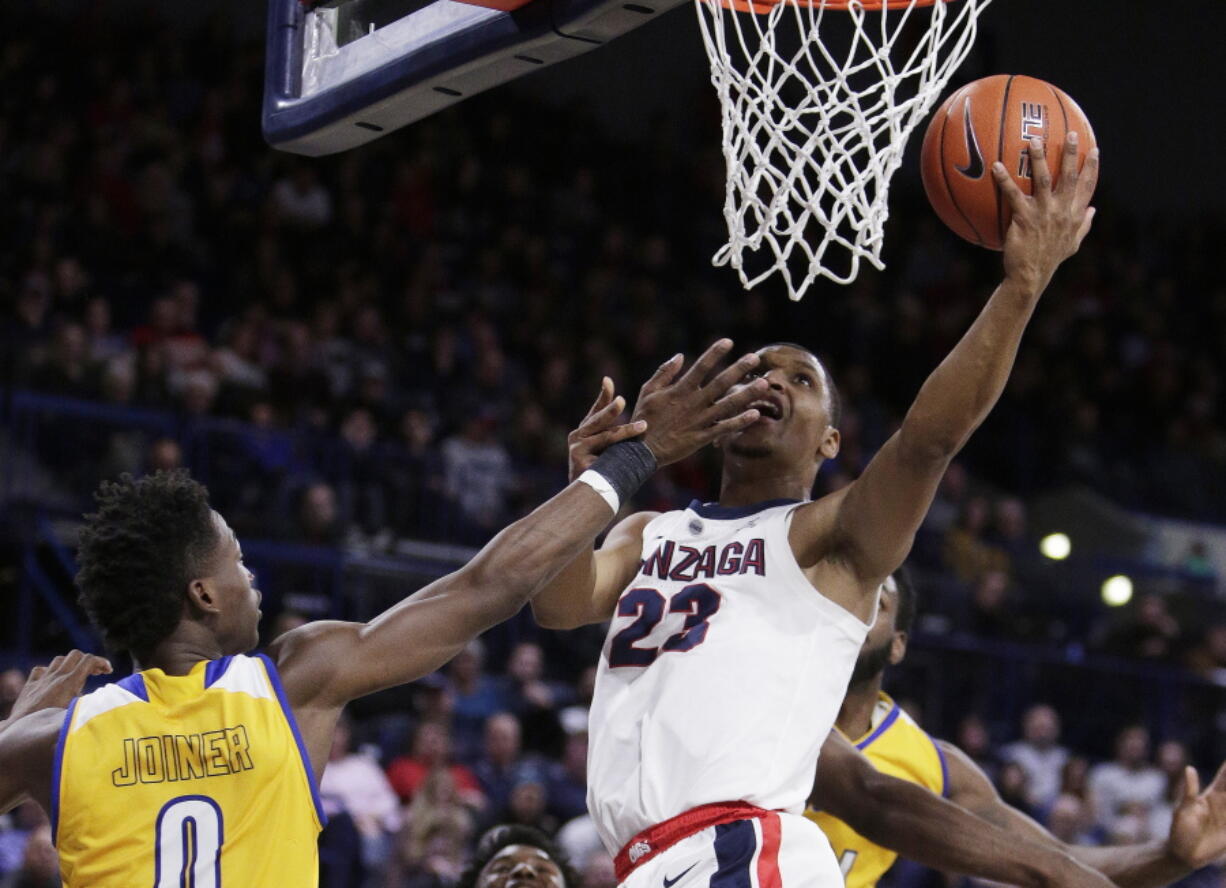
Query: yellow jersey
(191, 781)
(897, 746)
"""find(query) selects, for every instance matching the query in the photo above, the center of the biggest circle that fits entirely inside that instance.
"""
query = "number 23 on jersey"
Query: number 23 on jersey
(698, 602)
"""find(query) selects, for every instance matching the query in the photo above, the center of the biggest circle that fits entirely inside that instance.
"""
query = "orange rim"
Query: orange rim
(765, 6)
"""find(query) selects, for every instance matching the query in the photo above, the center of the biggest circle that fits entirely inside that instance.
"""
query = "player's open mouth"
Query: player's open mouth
(771, 410)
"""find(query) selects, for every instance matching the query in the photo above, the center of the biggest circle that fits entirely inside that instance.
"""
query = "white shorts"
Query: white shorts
(775, 851)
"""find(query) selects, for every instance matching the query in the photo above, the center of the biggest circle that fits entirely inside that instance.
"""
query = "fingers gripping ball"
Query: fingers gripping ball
(985, 121)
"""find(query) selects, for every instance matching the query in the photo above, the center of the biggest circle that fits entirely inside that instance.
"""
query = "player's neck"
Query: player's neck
(181, 650)
(856, 714)
(744, 483)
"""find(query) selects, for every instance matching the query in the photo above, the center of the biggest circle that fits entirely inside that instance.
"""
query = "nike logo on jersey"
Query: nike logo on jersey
(974, 169)
(669, 883)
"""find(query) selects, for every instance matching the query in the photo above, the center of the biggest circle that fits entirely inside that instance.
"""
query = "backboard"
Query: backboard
(343, 72)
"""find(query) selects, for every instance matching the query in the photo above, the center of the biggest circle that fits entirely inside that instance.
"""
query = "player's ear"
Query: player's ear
(202, 597)
(898, 648)
(829, 448)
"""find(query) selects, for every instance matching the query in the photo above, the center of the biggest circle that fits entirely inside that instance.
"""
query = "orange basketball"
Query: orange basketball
(985, 121)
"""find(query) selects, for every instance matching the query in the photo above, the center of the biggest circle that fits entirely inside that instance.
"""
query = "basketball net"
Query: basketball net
(813, 134)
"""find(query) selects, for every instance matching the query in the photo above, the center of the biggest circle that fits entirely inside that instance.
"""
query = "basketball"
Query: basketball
(985, 121)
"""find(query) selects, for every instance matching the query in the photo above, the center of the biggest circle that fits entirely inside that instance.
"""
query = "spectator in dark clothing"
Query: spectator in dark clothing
(318, 521)
(67, 370)
(501, 765)
(412, 469)
(527, 805)
(990, 613)
(476, 697)
(340, 853)
(361, 481)
(1147, 631)
(1014, 788)
(533, 699)
(976, 742)
(567, 780)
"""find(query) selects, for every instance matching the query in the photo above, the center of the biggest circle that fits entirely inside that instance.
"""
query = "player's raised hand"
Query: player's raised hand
(1198, 827)
(55, 686)
(686, 411)
(599, 429)
(1049, 225)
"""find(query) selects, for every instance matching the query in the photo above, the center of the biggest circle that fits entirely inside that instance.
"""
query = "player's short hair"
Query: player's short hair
(905, 615)
(149, 538)
(836, 397)
(498, 837)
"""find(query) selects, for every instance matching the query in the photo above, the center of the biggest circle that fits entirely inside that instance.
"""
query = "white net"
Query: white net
(818, 104)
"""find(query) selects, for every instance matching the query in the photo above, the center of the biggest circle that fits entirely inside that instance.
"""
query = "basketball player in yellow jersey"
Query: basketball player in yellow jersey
(200, 768)
(897, 746)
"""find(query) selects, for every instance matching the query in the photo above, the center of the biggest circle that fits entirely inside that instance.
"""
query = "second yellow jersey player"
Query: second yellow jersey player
(897, 746)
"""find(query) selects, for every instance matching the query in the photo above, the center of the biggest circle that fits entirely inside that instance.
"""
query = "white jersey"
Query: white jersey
(722, 673)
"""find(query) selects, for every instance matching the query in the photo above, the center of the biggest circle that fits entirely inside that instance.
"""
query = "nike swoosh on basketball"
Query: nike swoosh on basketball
(974, 169)
(669, 883)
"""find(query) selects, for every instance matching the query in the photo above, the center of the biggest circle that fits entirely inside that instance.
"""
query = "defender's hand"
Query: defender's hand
(1198, 828)
(55, 686)
(1048, 227)
(599, 429)
(685, 411)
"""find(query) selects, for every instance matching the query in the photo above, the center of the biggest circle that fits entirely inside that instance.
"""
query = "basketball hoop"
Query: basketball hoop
(816, 114)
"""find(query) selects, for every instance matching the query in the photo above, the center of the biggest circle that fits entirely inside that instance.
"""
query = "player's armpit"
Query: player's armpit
(921, 825)
(587, 590)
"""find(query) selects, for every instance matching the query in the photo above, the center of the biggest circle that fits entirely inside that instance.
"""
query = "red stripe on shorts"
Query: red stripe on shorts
(768, 858)
(655, 840)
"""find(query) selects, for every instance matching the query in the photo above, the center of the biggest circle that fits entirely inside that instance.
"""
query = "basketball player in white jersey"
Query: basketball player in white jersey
(736, 625)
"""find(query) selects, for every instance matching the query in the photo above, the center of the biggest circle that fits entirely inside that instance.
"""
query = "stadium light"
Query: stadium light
(1117, 590)
(1056, 546)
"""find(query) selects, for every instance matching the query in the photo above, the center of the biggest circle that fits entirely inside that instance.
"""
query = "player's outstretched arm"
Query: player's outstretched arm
(326, 664)
(586, 591)
(1197, 836)
(919, 824)
(875, 522)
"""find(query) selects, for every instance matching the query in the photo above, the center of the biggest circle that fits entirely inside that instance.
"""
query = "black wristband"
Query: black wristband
(626, 465)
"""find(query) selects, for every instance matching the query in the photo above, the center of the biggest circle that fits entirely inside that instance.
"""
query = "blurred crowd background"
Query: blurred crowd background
(388, 347)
